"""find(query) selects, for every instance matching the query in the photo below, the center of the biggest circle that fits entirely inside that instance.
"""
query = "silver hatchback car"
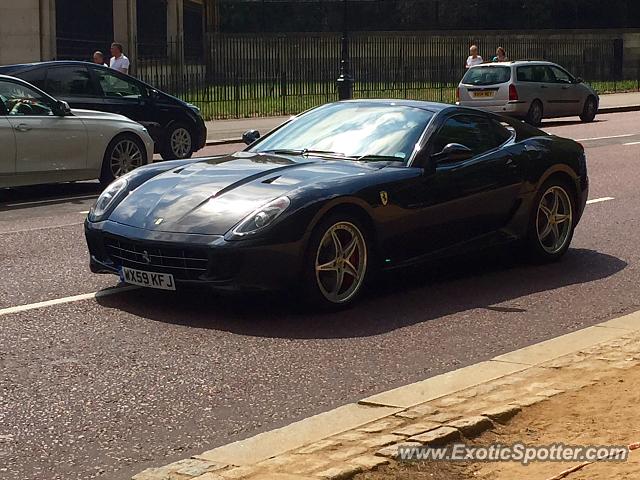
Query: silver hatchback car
(531, 90)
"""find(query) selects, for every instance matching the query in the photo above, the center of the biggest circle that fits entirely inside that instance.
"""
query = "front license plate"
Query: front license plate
(162, 281)
(487, 94)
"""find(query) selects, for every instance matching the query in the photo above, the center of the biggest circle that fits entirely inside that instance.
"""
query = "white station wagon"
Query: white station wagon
(43, 141)
(530, 90)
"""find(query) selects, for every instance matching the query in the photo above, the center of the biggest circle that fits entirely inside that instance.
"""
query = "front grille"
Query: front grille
(182, 263)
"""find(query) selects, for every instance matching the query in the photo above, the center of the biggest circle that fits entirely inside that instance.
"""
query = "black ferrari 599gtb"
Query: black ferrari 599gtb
(338, 192)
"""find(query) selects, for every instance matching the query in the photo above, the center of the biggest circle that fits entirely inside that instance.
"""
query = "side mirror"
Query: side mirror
(579, 80)
(453, 152)
(250, 136)
(61, 109)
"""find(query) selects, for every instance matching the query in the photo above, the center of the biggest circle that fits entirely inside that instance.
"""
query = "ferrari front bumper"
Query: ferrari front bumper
(194, 259)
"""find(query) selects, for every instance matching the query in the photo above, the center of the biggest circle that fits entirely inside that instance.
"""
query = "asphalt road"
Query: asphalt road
(108, 387)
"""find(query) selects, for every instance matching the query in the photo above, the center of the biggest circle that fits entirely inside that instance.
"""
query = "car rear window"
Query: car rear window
(70, 81)
(487, 75)
(34, 77)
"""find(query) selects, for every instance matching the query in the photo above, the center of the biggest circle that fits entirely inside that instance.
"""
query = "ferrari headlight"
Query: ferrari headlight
(262, 217)
(106, 199)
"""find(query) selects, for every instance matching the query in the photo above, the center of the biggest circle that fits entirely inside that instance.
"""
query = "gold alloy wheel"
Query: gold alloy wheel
(341, 262)
(554, 219)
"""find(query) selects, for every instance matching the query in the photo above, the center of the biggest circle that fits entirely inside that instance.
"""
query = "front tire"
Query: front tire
(535, 114)
(179, 143)
(124, 153)
(552, 221)
(589, 110)
(337, 263)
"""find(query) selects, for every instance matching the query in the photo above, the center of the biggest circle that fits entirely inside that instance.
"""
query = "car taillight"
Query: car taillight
(513, 93)
(458, 94)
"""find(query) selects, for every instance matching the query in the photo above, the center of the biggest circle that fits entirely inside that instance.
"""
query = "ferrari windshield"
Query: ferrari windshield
(353, 130)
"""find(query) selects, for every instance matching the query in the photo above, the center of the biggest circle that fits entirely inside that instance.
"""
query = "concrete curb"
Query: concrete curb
(460, 404)
(223, 141)
(620, 109)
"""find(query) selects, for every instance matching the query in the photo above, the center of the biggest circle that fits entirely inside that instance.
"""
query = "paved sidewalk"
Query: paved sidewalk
(461, 404)
(232, 130)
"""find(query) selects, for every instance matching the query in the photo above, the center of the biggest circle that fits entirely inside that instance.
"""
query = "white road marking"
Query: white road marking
(112, 291)
(604, 138)
(59, 301)
(598, 200)
(35, 229)
(85, 212)
(631, 143)
(51, 200)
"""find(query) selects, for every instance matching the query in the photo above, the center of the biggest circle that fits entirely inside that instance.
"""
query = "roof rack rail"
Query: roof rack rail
(530, 60)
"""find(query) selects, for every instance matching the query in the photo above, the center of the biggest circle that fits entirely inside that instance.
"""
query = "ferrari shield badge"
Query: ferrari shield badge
(384, 197)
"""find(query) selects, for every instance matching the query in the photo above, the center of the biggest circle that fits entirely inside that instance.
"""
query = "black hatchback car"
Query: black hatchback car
(176, 127)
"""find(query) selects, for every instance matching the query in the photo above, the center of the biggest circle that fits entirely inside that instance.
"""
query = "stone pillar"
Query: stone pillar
(48, 47)
(19, 31)
(125, 28)
(175, 29)
(212, 16)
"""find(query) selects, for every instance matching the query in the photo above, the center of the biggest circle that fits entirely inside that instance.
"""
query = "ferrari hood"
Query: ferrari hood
(213, 195)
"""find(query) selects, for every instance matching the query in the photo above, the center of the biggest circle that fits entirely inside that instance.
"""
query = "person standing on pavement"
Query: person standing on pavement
(119, 61)
(473, 58)
(501, 55)
(98, 58)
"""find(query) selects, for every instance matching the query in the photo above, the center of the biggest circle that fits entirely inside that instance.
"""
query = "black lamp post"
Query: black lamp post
(345, 81)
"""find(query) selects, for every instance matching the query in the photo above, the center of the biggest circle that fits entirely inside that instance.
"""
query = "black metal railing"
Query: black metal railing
(246, 75)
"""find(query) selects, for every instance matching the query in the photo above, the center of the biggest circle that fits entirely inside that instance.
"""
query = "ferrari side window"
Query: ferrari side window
(500, 132)
(473, 132)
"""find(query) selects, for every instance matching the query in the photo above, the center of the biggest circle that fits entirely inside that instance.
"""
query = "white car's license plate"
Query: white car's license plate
(162, 281)
(484, 94)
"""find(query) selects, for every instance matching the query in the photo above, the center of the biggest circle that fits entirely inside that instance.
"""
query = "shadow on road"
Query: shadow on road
(394, 301)
(47, 194)
(565, 123)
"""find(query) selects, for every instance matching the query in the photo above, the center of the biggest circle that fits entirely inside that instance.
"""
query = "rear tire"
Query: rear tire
(124, 153)
(589, 110)
(178, 144)
(535, 113)
(337, 262)
(551, 222)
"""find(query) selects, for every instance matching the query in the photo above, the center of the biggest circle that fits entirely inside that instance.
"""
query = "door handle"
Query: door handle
(543, 86)
(509, 163)
(23, 127)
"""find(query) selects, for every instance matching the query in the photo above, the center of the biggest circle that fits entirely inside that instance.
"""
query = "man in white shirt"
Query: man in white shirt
(119, 61)
(473, 58)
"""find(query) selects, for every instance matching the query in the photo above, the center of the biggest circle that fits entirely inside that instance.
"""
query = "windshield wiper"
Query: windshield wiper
(305, 152)
(379, 158)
